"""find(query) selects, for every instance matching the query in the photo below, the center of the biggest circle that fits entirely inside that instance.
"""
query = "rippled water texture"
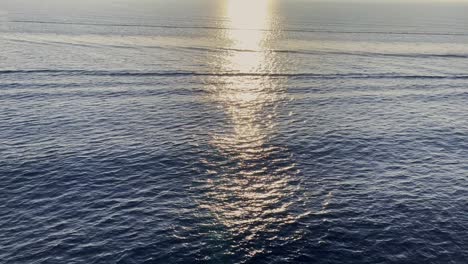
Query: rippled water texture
(233, 132)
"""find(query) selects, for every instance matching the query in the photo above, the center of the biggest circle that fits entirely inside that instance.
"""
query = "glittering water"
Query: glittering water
(208, 132)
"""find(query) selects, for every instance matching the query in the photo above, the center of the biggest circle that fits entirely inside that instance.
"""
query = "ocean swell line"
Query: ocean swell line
(332, 52)
(56, 72)
(300, 30)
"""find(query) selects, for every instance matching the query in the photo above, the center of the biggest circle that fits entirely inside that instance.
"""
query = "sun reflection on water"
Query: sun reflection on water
(249, 101)
(249, 23)
(252, 182)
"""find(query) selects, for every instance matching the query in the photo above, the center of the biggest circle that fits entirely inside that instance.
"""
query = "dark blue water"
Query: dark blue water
(208, 132)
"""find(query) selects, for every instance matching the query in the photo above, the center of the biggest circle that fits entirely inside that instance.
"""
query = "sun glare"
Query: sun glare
(248, 14)
(248, 23)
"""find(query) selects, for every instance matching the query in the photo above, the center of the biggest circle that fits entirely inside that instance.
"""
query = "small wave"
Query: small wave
(306, 52)
(228, 74)
(114, 25)
(414, 55)
(374, 54)
(370, 54)
(217, 49)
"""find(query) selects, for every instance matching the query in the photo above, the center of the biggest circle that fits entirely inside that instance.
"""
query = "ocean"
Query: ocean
(266, 131)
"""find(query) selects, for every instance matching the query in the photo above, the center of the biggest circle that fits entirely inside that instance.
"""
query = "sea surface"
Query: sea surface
(266, 131)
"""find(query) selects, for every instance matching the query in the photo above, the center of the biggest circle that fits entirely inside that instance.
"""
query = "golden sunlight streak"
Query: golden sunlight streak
(252, 180)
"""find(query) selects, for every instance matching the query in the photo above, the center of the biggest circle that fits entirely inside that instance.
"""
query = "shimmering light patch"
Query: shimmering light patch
(252, 184)
(245, 99)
